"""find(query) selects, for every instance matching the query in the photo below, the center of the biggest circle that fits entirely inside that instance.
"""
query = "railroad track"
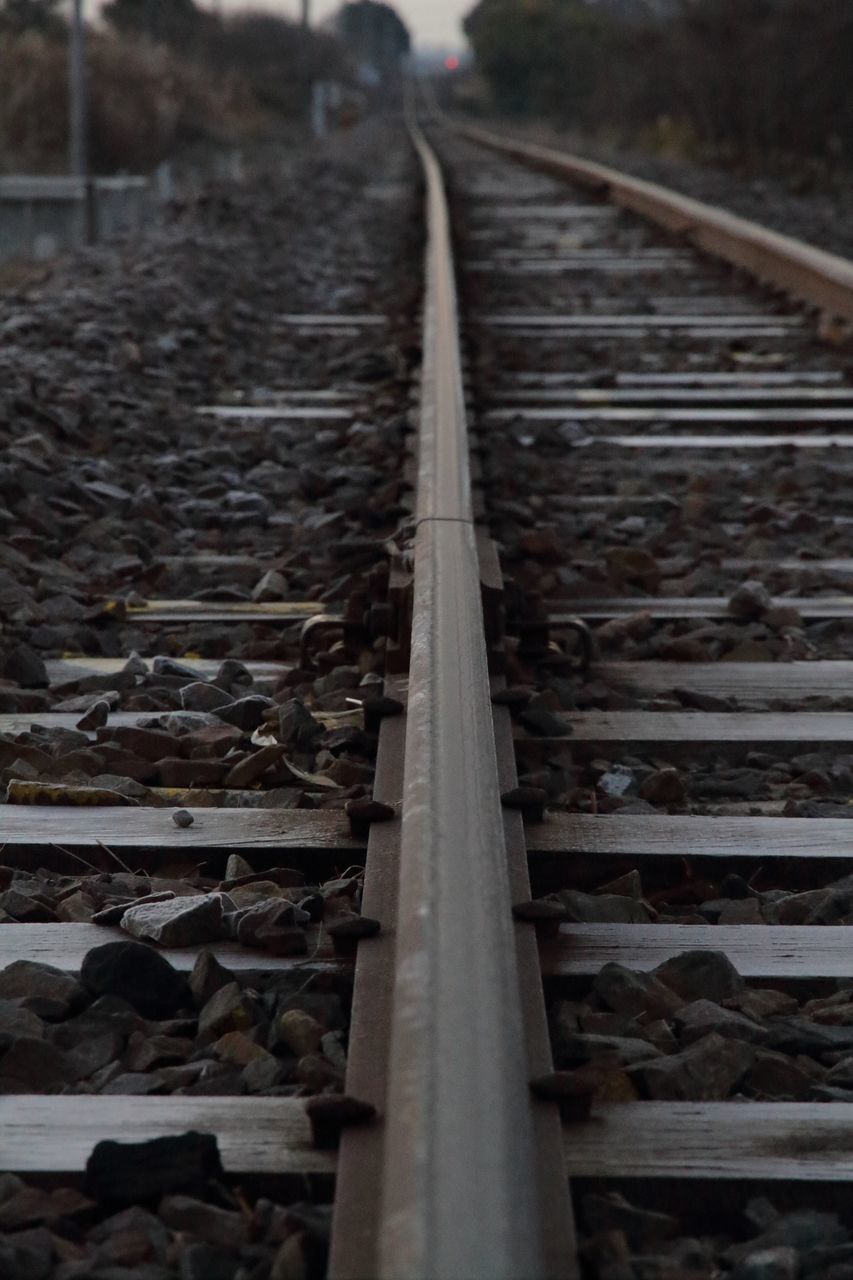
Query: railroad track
(602, 368)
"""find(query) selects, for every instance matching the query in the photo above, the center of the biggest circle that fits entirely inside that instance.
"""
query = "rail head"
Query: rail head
(459, 1193)
(804, 272)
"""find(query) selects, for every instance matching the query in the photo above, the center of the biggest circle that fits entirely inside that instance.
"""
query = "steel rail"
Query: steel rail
(823, 280)
(460, 1194)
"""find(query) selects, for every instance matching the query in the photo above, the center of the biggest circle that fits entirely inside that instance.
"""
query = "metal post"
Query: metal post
(77, 149)
(78, 129)
(305, 42)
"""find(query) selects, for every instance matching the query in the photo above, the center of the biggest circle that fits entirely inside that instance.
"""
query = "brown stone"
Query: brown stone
(211, 740)
(253, 766)
(227, 1010)
(150, 744)
(640, 995)
(664, 786)
(204, 1221)
(236, 1047)
(777, 1076)
(174, 771)
(299, 1032)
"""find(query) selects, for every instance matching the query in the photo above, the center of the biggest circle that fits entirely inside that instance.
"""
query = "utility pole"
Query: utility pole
(78, 157)
(305, 42)
(78, 127)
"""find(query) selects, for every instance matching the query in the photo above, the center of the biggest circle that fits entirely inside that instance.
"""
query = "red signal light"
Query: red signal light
(451, 63)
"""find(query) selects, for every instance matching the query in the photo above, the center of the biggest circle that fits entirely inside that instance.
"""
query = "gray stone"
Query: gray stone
(207, 1262)
(248, 770)
(17, 1021)
(84, 702)
(841, 1075)
(782, 1263)
(290, 1262)
(208, 976)
(628, 886)
(201, 696)
(764, 1002)
(33, 1065)
(93, 1053)
(165, 666)
(835, 1261)
(636, 806)
(803, 1230)
(136, 974)
(542, 723)
(24, 903)
(96, 716)
(236, 867)
(25, 667)
(296, 725)
(178, 922)
(231, 672)
(183, 818)
(695, 1021)
(603, 907)
(799, 1035)
(585, 1047)
(115, 915)
(264, 1073)
(27, 1255)
(135, 665)
(334, 1048)
(698, 975)
(186, 721)
(660, 1035)
(741, 911)
(127, 1173)
(148, 1052)
(246, 713)
(338, 680)
(10, 1186)
(227, 1084)
(205, 1221)
(132, 1084)
(749, 601)
(706, 1072)
(133, 1221)
(637, 994)
(761, 1213)
(272, 586)
(612, 1212)
(29, 980)
(106, 1014)
(273, 925)
(777, 1076)
(617, 781)
(815, 906)
(228, 1009)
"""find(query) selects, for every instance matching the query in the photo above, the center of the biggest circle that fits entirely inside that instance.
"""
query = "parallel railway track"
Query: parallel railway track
(640, 356)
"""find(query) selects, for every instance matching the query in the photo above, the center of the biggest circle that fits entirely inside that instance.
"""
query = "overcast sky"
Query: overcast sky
(431, 21)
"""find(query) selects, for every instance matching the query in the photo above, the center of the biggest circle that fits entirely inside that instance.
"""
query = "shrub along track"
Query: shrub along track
(450, 1162)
